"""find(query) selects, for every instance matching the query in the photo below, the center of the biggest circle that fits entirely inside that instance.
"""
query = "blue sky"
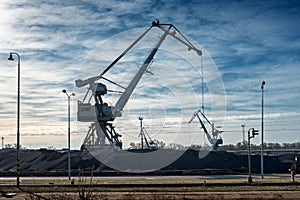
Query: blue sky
(244, 42)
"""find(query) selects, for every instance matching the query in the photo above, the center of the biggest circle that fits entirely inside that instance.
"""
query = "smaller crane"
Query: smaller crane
(215, 140)
(144, 135)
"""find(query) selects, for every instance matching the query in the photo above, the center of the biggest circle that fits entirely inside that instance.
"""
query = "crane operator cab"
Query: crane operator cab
(100, 111)
(103, 110)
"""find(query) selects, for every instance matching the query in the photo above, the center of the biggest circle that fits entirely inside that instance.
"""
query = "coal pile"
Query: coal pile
(55, 163)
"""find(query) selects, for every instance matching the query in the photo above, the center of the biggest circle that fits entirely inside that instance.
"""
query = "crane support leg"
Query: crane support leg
(98, 132)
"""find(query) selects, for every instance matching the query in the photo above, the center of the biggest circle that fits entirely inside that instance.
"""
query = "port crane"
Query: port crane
(101, 114)
(145, 137)
(215, 140)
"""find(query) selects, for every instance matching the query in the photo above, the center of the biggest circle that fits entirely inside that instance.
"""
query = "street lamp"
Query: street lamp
(262, 130)
(18, 115)
(69, 133)
(244, 141)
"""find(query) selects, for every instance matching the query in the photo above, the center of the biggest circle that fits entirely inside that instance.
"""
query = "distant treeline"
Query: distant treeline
(269, 146)
(225, 147)
(238, 146)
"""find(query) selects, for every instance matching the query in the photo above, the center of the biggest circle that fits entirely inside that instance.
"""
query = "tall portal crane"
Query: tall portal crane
(215, 140)
(101, 114)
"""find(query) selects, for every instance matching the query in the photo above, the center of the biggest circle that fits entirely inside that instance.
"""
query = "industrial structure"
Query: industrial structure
(215, 140)
(94, 109)
(145, 138)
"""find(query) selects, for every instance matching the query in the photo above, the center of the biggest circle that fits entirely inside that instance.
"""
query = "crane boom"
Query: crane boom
(186, 42)
(196, 114)
(127, 93)
(214, 140)
(81, 83)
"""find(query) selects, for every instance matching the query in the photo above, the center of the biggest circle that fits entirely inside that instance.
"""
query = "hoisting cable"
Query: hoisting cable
(202, 75)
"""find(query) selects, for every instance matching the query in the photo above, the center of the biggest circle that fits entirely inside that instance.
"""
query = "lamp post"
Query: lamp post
(18, 116)
(69, 133)
(142, 132)
(244, 141)
(262, 130)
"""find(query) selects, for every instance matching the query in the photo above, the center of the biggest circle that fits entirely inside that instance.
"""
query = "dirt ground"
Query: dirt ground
(293, 195)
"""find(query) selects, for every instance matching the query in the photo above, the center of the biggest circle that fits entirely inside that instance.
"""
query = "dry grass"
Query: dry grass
(206, 185)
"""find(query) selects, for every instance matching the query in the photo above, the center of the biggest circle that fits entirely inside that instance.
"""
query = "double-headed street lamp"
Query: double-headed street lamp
(69, 133)
(11, 58)
(262, 130)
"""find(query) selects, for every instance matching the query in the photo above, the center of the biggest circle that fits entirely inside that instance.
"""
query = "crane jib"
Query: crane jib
(125, 51)
(127, 93)
(92, 80)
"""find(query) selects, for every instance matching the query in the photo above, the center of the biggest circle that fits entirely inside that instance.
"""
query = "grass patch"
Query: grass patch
(54, 189)
(64, 186)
